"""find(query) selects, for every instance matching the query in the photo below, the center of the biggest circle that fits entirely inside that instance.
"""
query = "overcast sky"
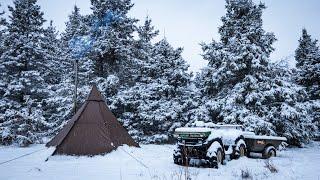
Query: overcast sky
(186, 23)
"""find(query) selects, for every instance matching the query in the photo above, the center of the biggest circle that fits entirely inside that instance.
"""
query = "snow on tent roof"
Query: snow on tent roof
(92, 130)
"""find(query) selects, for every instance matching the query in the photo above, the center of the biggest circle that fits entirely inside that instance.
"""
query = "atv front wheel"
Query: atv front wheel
(217, 160)
(177, 160)
(177, 156)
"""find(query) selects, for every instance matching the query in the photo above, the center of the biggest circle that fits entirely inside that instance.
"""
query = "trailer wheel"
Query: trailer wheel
(269, 151)
(242, 150)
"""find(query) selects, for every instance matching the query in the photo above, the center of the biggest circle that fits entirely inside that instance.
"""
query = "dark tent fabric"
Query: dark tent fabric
(92, 130)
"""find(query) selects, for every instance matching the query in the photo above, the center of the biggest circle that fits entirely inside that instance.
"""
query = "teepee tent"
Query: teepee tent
(92, 130)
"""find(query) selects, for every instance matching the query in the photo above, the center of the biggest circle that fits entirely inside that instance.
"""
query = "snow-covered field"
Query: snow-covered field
(292, 163)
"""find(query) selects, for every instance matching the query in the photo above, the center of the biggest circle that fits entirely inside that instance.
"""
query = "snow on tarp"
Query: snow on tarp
(213, 125)
(265, 137)
(228, 136)
(193, 130)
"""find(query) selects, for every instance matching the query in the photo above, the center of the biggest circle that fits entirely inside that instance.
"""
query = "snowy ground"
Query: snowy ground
(292, 163)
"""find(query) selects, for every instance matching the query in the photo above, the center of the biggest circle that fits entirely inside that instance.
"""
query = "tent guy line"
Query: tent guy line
(140, 162)
(4, 162)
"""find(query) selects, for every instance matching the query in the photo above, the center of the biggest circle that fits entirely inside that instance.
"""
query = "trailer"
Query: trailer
(266, 145)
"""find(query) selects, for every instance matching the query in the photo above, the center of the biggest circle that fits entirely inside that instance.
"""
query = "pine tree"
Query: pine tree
(77, 42)
(72, 49)
(307, 49)
(53, 55)
(127, 101)
(2, 23)
(147, 106)
(240, 86)
(244, 47)
(3, 31)
(76, 26)
(57, 70)
(143, 47)
(308, 62)
(112, 38)
(23, 65)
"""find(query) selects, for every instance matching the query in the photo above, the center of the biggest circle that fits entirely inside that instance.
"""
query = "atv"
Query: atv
(209, 144)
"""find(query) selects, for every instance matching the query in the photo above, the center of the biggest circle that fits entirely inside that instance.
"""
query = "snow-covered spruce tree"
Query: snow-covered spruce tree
(53, 56)
(286, 105)
(112, 39)
(76, 26)
(75, 45)
(146, 33)
(2, 23)
(2, 19)
(23, 65)
(308, 75)
(143, 48)
(58, 68)
(242, 54)
(239, 85)
(308, 63)
(154, 106)
(3, 30)
(244, 47)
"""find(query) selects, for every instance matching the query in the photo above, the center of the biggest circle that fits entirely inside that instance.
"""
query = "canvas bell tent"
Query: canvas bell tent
(92, 130)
